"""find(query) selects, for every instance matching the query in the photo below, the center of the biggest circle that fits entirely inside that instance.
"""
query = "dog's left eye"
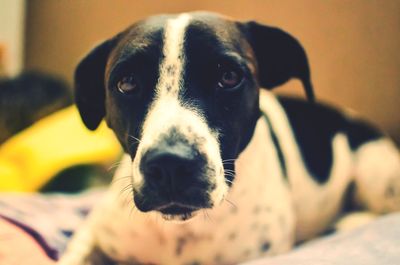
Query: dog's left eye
(127, 85)
(229, 78)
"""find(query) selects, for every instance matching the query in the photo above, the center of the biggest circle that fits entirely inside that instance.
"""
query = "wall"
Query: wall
(353, 46)
(11, 35)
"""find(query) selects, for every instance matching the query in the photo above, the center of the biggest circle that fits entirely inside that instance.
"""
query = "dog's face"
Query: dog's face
(181, 94)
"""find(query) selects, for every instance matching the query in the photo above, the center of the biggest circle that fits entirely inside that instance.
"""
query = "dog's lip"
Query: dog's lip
(176, 208)
(177, 211)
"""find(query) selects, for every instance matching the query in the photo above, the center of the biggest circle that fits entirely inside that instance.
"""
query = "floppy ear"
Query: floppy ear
(89, 84)
(280, 57)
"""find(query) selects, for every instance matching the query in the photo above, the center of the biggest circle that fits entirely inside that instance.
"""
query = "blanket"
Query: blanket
(34, 229)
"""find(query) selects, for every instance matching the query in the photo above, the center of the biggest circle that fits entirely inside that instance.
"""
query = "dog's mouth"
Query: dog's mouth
(177, 211)
(174, 208)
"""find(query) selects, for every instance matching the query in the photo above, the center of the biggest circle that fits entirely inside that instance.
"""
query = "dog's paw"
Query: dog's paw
(354, 220)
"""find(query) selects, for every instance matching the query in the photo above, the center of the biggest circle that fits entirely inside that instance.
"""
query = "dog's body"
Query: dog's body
(260, 179)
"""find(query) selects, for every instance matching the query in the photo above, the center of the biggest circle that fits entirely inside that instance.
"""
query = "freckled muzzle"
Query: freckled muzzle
(176, 180)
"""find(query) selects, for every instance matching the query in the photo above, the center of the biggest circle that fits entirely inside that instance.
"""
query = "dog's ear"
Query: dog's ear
(280, 57)
(89, 84)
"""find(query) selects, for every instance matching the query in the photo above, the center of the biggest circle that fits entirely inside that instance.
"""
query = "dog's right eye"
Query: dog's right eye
(229, 77)
(127, 85)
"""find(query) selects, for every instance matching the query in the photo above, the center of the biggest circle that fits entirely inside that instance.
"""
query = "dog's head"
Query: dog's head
(181, 94)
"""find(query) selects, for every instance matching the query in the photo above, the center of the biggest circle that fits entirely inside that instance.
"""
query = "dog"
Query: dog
(215, 171)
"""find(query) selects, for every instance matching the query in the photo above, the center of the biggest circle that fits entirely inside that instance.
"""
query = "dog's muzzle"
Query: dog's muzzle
(176, 181)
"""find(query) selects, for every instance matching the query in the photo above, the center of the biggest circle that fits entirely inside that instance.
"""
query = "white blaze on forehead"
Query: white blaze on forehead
(166, 108)
(171, 69)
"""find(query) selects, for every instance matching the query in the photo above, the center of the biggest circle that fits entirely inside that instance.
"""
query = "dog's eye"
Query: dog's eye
(229, 78)
(127, 84)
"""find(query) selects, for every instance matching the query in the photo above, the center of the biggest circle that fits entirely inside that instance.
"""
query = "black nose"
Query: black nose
(169, 170)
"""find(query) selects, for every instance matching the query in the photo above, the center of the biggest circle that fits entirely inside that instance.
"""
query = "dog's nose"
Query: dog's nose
(169, 170)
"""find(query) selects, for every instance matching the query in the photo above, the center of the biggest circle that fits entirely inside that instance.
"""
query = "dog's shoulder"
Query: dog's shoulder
(314, 126)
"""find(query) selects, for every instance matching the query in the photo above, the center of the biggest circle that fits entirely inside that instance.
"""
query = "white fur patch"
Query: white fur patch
(377, 172)
(174, 60)
(354, 220)
(315, 205)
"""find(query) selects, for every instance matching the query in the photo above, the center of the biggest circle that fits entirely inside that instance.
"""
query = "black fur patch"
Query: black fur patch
(98, 257)
(348, 198)
(232, 236)
(210, 43)
(180, 243)
(265, 246)
(315, 125)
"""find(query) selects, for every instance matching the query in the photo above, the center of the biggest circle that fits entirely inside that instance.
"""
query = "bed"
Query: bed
(35, 228)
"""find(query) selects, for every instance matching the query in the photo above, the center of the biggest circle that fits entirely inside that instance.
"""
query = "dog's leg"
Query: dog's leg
(84, 248)
(81, 249)
(377, 176)
(353, 220)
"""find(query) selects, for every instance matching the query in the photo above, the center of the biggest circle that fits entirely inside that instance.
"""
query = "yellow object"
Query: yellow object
(31, 158)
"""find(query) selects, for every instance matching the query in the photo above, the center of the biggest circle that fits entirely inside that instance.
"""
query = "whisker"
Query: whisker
(114, 165)
(127, 188)
(231, 203)
(129, 199)
(133, 208)
(134, 138)
(127, 195)
(120, 178)
(208, 216)
(130, 185)
(225, 160)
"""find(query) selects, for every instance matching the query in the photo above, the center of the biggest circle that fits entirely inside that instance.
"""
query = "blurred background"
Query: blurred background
(353, 46)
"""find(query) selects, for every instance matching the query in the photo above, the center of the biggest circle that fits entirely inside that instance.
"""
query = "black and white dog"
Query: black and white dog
(219, 173)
